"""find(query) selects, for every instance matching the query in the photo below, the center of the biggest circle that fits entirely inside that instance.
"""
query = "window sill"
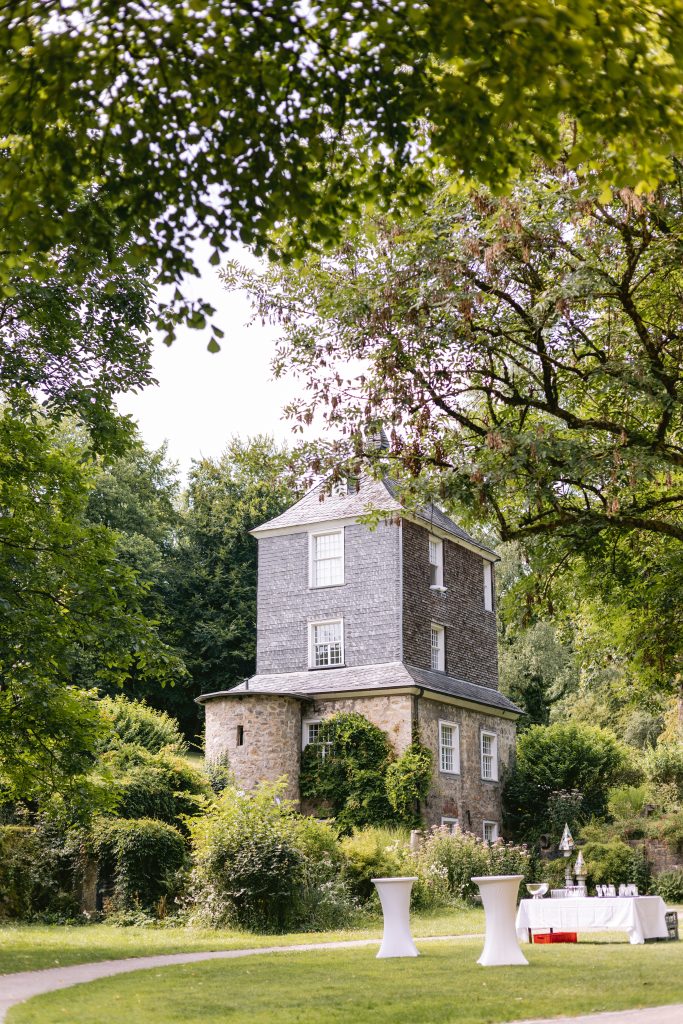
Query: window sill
(439, 590)
(442, 771)
(325, 586)
(324, 668)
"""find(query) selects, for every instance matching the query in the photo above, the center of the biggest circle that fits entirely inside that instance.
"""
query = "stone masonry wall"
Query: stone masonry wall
(467, 797)
(368, 601)
(271, 737)
(471, 640)
(391, 714)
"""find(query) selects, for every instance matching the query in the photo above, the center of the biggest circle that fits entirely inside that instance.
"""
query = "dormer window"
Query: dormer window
(436, 563)
(327, 559)
(340, 488)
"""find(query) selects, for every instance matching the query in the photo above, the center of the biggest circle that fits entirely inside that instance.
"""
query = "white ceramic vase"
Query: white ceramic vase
(394, 895)
(499, 896)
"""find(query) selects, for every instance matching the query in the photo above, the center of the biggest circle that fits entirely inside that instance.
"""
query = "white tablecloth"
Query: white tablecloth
(641, 916)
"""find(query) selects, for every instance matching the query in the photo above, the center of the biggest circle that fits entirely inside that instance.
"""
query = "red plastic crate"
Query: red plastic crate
(542, 939)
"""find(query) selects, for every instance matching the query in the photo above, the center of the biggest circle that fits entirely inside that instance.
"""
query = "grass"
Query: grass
(33, 947)
(444, 986)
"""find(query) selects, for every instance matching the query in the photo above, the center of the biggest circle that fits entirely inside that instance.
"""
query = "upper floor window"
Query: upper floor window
(489, 756)
(327, 559)
(326, 644)
(449, 748)
(490, 831)
(438, 648)
(488, 586)
(435, 562)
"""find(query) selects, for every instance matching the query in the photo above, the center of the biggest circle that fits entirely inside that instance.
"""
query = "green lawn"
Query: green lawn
(32, 947)
(444, 986)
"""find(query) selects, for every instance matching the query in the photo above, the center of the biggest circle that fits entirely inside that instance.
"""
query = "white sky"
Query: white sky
(201, 399)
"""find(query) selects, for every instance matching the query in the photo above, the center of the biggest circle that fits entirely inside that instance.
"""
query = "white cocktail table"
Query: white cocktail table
(499, 896)
(394, 895)
(641, 916)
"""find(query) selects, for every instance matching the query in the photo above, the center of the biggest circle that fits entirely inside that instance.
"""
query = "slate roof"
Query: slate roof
(372, 496)
(391, 675)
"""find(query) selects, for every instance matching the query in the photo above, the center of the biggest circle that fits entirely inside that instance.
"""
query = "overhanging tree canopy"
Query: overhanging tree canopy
(217, 120)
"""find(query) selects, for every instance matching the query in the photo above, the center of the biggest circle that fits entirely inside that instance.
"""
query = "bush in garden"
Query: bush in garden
(260, 865)
(40, 867)
(625, 802)
(568, 757)
(160, 785)
(374, 852)
(132, 722)
(140, 861)
(345, 770)
(669, 885)
(611, 863)
(664, 770)
(447, 861)
(408, 780)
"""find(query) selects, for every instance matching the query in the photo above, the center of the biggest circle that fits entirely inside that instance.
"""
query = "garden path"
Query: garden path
(17, 988)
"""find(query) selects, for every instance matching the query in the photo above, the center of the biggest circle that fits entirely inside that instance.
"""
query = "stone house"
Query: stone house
(395, 622)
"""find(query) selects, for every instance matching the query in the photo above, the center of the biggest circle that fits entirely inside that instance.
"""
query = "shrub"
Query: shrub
(260, 865)
(669, 885)
(39, 870)
(625, 802)
(447, 861)
(345, 769)
(567, 757)
(611, 863)
(373, 853)
(132, 722)
(160, 785)
(408, 780)
(664, 767)
(671, 830)
(139, 861)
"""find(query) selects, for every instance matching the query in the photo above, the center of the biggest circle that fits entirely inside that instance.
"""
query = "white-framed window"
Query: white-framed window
(310, 730)
(310, 733)
(490, 831)
(327, 559)
(435, 562)
(340, 488)
(489, 756)
(326, 644)
(449, 748)
(438, 647)
(450, 823)
(488, 586)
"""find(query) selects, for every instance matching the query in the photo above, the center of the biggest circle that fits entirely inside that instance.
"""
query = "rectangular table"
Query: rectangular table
(641, 916)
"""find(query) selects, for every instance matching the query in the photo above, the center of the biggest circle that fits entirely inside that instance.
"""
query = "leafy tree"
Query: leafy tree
(555, 762)
(212, 120)
(212, 592)
(63, 590)
(130, 722)
(345, 769)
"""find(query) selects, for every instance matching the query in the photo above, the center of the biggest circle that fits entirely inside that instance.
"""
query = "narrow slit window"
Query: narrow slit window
(488, 586)
(435, 562)
(240, 736)
(437, 645)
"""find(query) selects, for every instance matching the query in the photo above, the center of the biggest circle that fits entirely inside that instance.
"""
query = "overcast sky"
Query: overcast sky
(203, 399)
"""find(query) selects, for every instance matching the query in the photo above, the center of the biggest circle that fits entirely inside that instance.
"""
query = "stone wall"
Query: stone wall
(471, 640)
(271, 737)
(368, 601)
(467, 797)
(391, 714)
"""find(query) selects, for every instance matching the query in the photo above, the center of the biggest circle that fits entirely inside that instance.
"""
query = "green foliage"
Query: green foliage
(611, 863)
(664, 767)
(161, 785)
(626, 802)
(260, 865)
(140, 859)
(133, 722)
(447, 862)
(373, 852)
(345, 769)
(567, 758)
(669, 885)
(63, 591)
(40, 868)
(408, 780)
(200, 92)
(212, 572)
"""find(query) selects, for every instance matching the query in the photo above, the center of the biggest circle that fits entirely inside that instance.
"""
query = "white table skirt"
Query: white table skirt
(641, 916)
